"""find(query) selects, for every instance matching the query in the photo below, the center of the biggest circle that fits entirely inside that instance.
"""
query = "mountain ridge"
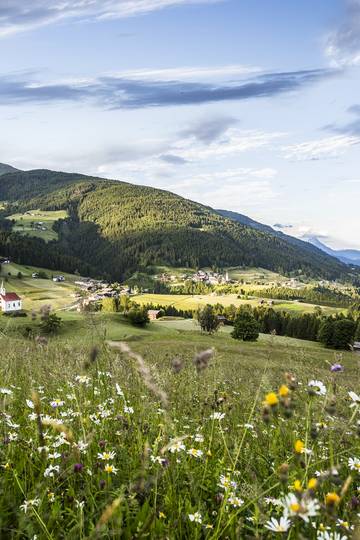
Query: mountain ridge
(5, 169)
(115, 227)
(348, 256)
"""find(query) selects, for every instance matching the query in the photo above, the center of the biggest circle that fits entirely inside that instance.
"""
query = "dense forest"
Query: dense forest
(115, 228)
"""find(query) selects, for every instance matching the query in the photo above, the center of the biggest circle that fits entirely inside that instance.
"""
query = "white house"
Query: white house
(10, 302)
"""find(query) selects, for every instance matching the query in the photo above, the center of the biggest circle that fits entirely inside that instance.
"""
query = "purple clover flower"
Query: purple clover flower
(336, 368)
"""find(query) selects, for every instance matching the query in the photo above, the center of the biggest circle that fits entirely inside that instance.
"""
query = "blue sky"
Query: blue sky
(248, 105)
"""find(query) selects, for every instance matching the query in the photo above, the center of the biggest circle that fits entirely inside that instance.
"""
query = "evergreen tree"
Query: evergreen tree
(326, 332)
(344, 331)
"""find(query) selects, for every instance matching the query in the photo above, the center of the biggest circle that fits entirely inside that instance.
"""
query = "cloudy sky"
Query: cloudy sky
(247, 105)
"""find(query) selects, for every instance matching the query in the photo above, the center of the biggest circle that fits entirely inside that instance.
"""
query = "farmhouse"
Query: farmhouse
(10, 302)
(153, 314)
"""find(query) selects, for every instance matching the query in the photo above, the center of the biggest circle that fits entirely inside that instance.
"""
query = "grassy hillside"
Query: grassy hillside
(102, 444)
(117, 227)
(193, 302)
(38, 223)
(37, 292)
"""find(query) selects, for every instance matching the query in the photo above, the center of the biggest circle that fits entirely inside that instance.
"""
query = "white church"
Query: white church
(10, 301)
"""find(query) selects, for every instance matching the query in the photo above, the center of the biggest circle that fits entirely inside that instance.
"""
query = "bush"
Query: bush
(207, 319)
(246, 327)
(138, 317)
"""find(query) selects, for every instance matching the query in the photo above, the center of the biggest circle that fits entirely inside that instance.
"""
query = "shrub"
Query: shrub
(138, 317)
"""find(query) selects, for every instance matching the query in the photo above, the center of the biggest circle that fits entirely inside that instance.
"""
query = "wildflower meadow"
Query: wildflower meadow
(185, 438)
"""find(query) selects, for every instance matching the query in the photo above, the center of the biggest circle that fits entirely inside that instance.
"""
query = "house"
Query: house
(58, 279)
(153, 314)
(356, 347)
(10, 302)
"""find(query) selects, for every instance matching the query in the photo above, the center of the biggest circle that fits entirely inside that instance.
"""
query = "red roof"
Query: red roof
(10, 297)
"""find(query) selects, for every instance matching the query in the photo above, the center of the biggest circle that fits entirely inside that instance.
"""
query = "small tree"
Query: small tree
(207, 319)
(50, 324)
(138, 316)
(246, 327)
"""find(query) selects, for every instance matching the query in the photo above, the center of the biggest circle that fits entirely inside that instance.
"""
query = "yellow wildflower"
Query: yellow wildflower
(284, 391)
(297, 485)
(299, 446)
(332, 499)
(312, 483)
(271, 399)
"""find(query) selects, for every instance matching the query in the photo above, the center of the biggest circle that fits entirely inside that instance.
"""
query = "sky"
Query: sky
(246, 105)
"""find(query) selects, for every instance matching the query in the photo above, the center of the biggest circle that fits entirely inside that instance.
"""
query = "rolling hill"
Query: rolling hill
(116, 227)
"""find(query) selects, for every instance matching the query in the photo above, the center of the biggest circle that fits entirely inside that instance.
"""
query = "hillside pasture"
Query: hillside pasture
(36, 292)
(38, 223)
(193, 302)
(100, 443)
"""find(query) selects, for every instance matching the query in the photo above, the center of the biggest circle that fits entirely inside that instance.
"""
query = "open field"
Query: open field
(26, 223)
(123, 452)
(192, 302)
(37, 292)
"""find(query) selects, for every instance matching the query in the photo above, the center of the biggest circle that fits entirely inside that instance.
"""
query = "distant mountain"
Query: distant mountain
(245, 220)
(116, 227)
(4, 169)
(348, 256)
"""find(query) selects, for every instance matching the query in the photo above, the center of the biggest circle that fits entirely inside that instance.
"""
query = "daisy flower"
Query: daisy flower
(226, 482)
(355, 399)
(305, 508)
(278, 525)
(217, 416)
(317, 387)
(196, 518)
(51, 470)
(195, 452)
(177, 446)
(110, 469)
(31, 503)
(354, 464)
(106, 456)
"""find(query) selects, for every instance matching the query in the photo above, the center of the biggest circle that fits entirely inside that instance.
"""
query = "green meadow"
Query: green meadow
(25, 223)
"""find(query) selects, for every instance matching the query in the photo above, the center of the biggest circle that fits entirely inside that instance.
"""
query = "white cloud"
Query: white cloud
(343, 44)
(328, 147)
(21, 15)
(197, 73)
(233, 142)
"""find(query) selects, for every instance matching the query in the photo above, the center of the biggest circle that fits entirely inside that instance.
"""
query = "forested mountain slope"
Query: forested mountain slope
(4, 169)
(116, 227)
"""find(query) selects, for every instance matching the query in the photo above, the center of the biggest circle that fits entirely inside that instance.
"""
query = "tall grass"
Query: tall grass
(119, 442)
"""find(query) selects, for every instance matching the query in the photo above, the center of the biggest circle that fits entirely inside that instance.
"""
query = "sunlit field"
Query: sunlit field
(177, 435)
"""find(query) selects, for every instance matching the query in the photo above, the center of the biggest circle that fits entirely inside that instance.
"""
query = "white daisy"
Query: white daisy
(317, 387)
